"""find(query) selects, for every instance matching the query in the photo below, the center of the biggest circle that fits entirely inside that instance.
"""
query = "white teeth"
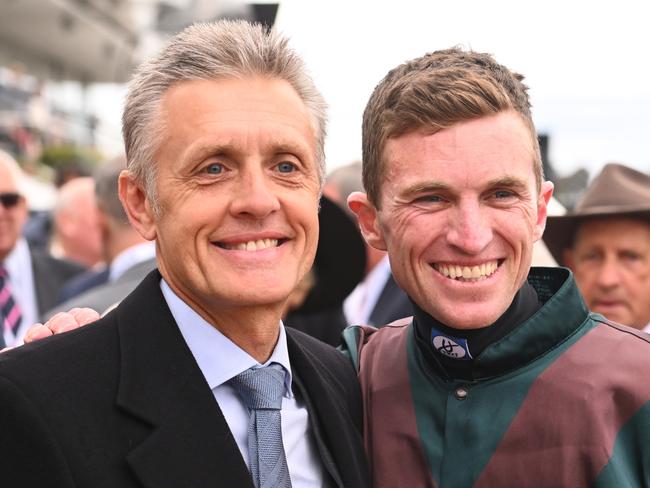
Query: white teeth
(252, 245)
(470, 273)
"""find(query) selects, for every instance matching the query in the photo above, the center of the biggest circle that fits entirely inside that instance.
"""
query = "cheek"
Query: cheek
(398, 224)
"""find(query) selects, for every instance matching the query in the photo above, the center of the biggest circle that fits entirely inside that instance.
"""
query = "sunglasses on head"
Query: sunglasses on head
(9, 199)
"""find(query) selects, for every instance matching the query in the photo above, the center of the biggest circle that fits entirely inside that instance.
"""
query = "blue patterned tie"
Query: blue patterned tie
(261, 390)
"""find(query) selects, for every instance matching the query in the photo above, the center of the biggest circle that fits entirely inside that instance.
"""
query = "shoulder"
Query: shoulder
(82, 356)
(605, 358)
(611, 335)
(357, 337)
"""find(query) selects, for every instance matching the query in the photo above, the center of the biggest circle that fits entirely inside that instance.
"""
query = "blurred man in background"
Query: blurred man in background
(129, 256)
(29, 280)
(606, 243)
(377, 300)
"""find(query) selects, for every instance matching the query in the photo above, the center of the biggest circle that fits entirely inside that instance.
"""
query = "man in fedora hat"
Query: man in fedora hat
(606, 242)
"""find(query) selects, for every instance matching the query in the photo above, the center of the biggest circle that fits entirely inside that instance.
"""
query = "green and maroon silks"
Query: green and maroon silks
(564, 402)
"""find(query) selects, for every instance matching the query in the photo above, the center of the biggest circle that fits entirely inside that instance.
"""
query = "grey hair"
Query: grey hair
(208, 51)
(106, 189)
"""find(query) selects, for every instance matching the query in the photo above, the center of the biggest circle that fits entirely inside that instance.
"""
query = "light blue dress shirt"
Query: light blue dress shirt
(220, 360)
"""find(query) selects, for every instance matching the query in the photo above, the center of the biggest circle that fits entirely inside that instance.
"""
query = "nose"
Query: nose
(470, 230)
(608, 273)
(255, 196)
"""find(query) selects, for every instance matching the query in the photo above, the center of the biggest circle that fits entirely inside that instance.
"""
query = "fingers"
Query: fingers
(84, 316)
(36, 332)
(61, 322)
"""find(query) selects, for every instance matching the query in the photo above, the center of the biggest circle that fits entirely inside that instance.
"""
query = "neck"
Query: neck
(255, 329)
(472, 342)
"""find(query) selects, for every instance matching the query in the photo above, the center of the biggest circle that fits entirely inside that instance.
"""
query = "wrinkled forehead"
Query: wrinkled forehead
(491, 142)
(633, 227)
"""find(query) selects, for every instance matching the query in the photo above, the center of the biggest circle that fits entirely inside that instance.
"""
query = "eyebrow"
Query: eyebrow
(435, 186)
(508, 182)
(202, 151)
(427, 186)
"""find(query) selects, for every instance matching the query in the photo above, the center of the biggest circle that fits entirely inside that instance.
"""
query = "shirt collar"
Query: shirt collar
(209, 346)
(18, 260)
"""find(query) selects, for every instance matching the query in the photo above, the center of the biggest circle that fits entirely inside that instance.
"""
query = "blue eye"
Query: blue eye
(429, 199)
(286, 167)
(214, 169)
(503, 194)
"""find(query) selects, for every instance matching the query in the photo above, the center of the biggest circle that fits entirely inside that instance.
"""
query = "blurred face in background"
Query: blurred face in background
(13, 212)
(76, 221)
(611, 262)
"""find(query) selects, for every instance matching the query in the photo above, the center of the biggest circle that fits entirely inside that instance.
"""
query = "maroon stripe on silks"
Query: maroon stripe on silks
(564, 433)
(392, 441)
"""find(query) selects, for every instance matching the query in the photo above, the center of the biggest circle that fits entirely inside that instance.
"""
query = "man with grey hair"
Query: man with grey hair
(130, 257)
(76, 234)
(193, 380)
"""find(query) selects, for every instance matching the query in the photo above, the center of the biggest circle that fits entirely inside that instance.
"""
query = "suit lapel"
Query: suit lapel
(160, 384)
(330, 415)
(46, 284)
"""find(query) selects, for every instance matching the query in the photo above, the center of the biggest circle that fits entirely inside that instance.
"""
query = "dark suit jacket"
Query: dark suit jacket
(393, 304)
(49, 276)
(122, 403)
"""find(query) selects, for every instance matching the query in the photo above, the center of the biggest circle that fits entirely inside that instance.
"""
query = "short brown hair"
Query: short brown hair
(435, 92)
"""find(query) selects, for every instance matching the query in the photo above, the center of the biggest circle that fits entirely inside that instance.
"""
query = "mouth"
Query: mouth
(477, 272)
(254, 245)
(607, 304)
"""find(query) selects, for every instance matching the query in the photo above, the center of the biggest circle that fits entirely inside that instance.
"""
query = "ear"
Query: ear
(542, 209)
(137, 206)
(368, 222)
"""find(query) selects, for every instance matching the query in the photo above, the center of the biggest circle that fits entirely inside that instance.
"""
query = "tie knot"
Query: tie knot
(261, 388)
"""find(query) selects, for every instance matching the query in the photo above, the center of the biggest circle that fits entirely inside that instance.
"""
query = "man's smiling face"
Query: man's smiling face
(238, 187)
(459, 213)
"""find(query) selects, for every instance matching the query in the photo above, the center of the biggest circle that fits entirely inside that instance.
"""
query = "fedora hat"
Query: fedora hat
(618, 191)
